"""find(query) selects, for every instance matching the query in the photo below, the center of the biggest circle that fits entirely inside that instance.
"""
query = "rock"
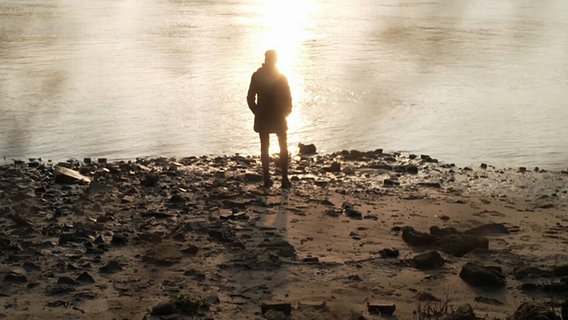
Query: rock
(164, 309)
(112, 266)
(334, 167)
(534, 310)
(478, 275)
(355, 277)
(212, 299)
(222, 235)
(186, 303)
(150, 179)
(307, 149)
(118, 240)
(389, 253)
(442, 232)
(460, 244)
(311, 260)
(350, 211)
(427, 159)
(59, 290)
(15, 277)
(428, 260)
(19, 220)
(190, 250)
(281, 246)
(561, 271)
(85, 278)
(355, 155)
(412, 169)
(390, 183)
(488, 229)
(333, 212)
(486, 300)
(67, 281)
(68, 176)
(564, 310)
(381, 308)
(528, 272)
(416, 238)
(275, 315)
(177, 199)
(283, 307)
(436, 185)
(253, 177)
(463, 312)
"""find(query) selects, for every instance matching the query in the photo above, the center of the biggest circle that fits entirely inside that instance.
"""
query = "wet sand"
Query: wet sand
(202, 237)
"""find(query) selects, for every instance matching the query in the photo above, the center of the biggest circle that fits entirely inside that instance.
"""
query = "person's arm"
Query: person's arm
(251, 95)
(287, 97)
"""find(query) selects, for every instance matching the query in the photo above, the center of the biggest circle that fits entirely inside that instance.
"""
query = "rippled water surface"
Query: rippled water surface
(464, 81)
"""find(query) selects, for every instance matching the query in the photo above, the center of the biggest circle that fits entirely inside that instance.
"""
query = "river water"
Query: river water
(463, 81)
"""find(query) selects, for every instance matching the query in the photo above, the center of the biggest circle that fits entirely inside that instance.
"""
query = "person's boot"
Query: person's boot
(286, 183)
(267, 181)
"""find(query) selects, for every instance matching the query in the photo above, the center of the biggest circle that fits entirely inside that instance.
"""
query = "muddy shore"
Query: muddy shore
(360, 235)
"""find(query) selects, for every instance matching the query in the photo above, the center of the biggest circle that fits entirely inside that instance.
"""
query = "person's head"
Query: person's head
(270, 57)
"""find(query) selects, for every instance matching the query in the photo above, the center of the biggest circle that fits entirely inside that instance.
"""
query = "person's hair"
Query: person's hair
(271, 57)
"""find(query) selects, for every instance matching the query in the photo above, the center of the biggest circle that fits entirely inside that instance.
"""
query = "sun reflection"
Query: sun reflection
(287, 27)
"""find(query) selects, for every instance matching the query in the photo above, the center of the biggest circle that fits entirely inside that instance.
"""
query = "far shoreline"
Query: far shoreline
(7, 160)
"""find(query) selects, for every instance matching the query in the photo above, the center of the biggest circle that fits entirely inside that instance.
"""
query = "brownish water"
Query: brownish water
(464, 81)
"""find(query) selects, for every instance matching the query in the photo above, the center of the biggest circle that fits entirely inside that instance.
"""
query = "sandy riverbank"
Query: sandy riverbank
(124, 237)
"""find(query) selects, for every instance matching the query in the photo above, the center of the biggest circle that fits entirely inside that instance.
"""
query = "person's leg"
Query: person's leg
(264, 157)
(283, 143)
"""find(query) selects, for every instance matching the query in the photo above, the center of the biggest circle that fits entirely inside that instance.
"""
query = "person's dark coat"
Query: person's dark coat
(270, 100)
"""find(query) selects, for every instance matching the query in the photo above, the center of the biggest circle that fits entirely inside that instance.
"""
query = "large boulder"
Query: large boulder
(479, 275)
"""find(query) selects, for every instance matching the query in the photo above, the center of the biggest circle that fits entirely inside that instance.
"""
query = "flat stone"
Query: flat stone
(68, 176)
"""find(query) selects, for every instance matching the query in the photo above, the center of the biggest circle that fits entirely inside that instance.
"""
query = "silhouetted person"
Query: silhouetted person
(270, 100)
